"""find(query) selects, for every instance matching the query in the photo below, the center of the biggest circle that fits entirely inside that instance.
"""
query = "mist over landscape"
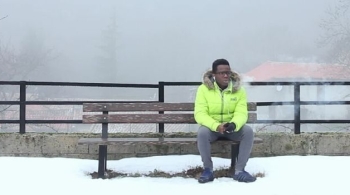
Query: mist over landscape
(155, 40)
(137, 41)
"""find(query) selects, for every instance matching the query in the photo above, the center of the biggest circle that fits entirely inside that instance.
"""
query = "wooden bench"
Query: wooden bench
(139, 116)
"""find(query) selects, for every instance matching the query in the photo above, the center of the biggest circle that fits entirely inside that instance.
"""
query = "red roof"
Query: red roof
(286, 71)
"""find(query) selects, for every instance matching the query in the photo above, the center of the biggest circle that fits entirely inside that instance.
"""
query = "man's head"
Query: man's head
(222, 72)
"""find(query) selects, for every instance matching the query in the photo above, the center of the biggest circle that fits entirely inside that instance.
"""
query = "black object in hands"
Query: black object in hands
(229, 127)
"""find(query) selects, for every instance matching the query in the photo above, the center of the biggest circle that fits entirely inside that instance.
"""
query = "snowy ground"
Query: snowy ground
(287, 175)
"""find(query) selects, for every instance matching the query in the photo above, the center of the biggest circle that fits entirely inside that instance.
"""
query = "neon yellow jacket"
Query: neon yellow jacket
(214, 107)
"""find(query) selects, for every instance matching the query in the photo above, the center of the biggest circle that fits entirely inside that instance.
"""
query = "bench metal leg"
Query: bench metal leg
(102, 161)
(234, 156)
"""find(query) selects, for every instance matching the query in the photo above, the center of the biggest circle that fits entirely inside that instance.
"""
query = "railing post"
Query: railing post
(22, 107)
(296, 108)
(161, 99)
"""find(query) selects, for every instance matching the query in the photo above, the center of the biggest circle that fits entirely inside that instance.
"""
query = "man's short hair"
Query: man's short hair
(218, 62)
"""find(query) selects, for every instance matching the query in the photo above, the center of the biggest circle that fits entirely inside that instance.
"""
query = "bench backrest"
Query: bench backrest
(140, 114)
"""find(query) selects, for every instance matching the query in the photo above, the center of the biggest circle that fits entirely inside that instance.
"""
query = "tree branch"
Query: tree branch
(3, 17)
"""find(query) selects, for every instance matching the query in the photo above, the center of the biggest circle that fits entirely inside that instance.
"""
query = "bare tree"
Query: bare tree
(7, 93)
(336, 27)
(18, 64)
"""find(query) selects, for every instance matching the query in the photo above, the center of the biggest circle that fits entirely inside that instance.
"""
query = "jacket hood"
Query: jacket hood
(208, 80)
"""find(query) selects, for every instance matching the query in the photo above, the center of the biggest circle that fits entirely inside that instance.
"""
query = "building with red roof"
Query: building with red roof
(293, 71)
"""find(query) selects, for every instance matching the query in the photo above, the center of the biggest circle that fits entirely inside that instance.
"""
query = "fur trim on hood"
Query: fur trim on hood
(208, 80)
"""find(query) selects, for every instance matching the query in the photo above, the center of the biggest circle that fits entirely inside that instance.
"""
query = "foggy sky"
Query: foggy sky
(158, 40)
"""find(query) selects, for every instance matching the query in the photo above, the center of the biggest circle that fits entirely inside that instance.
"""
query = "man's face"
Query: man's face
(222, 75)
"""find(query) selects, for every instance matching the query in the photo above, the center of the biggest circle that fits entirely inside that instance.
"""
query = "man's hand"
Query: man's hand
(221, 129)
(229, 127)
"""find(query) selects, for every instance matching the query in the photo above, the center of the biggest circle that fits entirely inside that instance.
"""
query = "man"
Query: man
(221, 110)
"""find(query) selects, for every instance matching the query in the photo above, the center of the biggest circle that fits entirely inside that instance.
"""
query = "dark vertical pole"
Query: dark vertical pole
(105, 135)
(22, 107)
(297, 108)
(101, 159)
(102, 151)
(161, 99)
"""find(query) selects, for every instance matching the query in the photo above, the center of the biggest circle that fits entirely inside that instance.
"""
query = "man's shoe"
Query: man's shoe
(244, 176)
(206, 176)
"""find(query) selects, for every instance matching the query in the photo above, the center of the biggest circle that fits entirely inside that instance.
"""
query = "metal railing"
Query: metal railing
(161, 98)
(297, 103)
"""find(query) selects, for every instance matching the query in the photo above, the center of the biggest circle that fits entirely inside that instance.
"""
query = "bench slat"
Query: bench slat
(131, 141)
(156, 106)
(148, 118)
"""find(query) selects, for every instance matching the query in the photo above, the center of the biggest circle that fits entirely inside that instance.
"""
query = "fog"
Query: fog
(157, 40)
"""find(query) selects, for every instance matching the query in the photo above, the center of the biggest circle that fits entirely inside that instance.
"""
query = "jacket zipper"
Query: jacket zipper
(222, 106)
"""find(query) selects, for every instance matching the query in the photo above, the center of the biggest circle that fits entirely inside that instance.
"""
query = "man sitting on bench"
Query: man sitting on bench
(221, 110)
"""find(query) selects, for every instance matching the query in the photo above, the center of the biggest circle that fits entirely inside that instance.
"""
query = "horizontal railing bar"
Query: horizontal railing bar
(181, 83)
(300, 83)
(303, 103)
(167, 83)
(303, 121)
(53, 121)
(324, 121)
(324, 102)
(9, 102)
(274, 103)
(43, 121)
(326, 83)
(274, 121)
(67, 102)
(80, 102)
(9, 121)
(10, 83)
(272, 83)
(76, 84)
